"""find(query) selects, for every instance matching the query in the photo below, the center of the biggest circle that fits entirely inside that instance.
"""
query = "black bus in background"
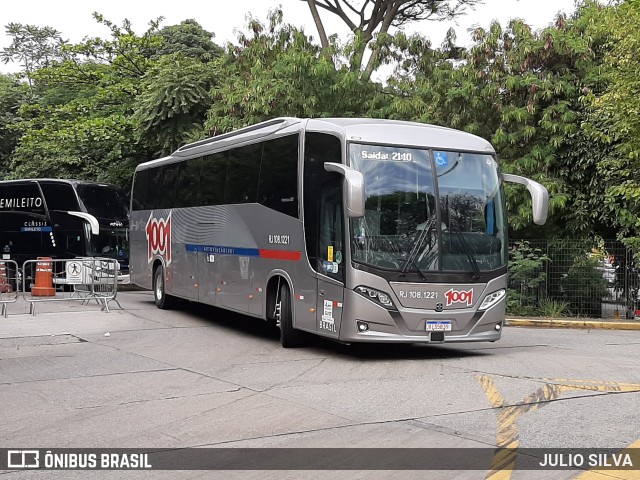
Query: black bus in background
(63, 219)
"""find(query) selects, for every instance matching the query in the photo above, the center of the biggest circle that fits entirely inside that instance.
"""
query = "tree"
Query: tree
(277, 71)
(614, 115)
(81, 123)
(190, 40)
(522, 90)
(34, 47)
(171, 110)
(370, 18)
(13, 93)
(128, 54)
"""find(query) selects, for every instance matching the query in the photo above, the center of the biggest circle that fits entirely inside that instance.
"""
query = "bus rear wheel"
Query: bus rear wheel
(289, 336)
(162, 300)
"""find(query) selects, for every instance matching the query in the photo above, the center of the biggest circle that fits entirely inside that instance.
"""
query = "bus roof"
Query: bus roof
(362, 130)
(400, 132)
(74, 182)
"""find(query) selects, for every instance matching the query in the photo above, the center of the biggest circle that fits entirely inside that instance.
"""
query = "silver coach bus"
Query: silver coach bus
(359, 230)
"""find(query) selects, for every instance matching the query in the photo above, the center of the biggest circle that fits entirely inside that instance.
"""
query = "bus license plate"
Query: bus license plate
(442, 326)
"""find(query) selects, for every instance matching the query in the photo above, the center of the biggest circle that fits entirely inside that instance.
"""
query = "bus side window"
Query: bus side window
(154, 188)
(168, 188)
(278, 186)
(140, 185)
(59, 196)
(189, 184)
(242, 175)
(213, 175)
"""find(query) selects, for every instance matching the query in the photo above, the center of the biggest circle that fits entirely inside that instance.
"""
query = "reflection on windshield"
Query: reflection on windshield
(111, 243)
(406, 229)
(103, 201)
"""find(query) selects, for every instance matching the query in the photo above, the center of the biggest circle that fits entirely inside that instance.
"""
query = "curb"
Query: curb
(580, 324)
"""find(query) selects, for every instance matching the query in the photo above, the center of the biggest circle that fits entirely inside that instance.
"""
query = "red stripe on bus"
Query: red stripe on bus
(280, 254)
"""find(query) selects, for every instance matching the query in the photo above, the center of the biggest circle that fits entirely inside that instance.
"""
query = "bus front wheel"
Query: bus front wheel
(163, 301)
(289, 336)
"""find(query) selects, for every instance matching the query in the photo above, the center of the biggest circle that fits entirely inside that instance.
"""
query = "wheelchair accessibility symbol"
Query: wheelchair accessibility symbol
(441, 159)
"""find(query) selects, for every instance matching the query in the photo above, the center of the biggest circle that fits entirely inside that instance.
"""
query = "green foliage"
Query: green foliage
(172, 107)
(188, 39)
(526, 275)
(277, 71)
(370, 24)
(553, 308)
(614, 114)
(127, 54)
(522, 90)
(79, 122)
(96, 148)
(583, 287)
(12, 95)
(32, 46)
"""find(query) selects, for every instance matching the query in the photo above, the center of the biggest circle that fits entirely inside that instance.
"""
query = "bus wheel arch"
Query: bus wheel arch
(279, 310)
(160, 297)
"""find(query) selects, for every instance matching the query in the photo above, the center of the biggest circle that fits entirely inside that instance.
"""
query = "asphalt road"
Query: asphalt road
(75, 377)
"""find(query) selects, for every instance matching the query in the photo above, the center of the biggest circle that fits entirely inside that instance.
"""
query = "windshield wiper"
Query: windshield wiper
(415, 248)
(422, 274)
(467, 251)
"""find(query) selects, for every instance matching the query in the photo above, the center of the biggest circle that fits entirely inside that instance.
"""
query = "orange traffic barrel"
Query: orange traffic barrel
(44, 278)
(5, 286)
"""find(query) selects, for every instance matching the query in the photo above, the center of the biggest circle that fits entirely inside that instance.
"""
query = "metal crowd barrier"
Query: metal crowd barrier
(84, 279)
(9, 284)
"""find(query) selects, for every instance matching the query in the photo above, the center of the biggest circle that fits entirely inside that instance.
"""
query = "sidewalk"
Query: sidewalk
(583, 323)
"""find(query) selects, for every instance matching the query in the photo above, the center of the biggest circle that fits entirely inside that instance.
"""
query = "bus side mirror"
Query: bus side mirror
(354, 188)
(90, 219)
(539, 195)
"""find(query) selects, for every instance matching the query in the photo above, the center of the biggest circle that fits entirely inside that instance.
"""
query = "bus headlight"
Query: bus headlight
(491, 299)
(376, 296)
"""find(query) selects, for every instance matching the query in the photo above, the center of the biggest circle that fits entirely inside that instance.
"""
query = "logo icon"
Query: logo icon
(159, 237)
(23, 459)
(458, 296)
(439, 307)
(441, 159)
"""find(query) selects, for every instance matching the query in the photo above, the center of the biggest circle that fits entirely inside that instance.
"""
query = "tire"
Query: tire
(289, 336)
(162, 300)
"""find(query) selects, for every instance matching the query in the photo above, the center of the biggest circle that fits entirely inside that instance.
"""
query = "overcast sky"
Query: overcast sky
(73, 18)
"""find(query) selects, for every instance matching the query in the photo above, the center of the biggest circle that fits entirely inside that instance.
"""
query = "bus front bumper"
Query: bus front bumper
(407, 325)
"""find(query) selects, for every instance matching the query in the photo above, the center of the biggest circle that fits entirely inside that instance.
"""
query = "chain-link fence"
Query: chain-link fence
(581, 278)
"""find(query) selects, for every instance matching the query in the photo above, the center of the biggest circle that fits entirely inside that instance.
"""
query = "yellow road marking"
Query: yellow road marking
(596, 385)
(507, 435)
(503, 461)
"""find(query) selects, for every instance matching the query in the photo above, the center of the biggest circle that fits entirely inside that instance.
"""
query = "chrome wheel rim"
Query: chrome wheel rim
(159, 288)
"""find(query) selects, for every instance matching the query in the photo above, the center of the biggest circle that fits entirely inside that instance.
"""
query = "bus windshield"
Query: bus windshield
(110, 242)
(428, 210)
(103, 201)
(109, 204)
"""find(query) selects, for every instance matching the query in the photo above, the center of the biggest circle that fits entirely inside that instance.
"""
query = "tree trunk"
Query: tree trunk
(318, 21)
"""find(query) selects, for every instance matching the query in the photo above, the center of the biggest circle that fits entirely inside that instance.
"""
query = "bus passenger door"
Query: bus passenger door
(331, 275)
